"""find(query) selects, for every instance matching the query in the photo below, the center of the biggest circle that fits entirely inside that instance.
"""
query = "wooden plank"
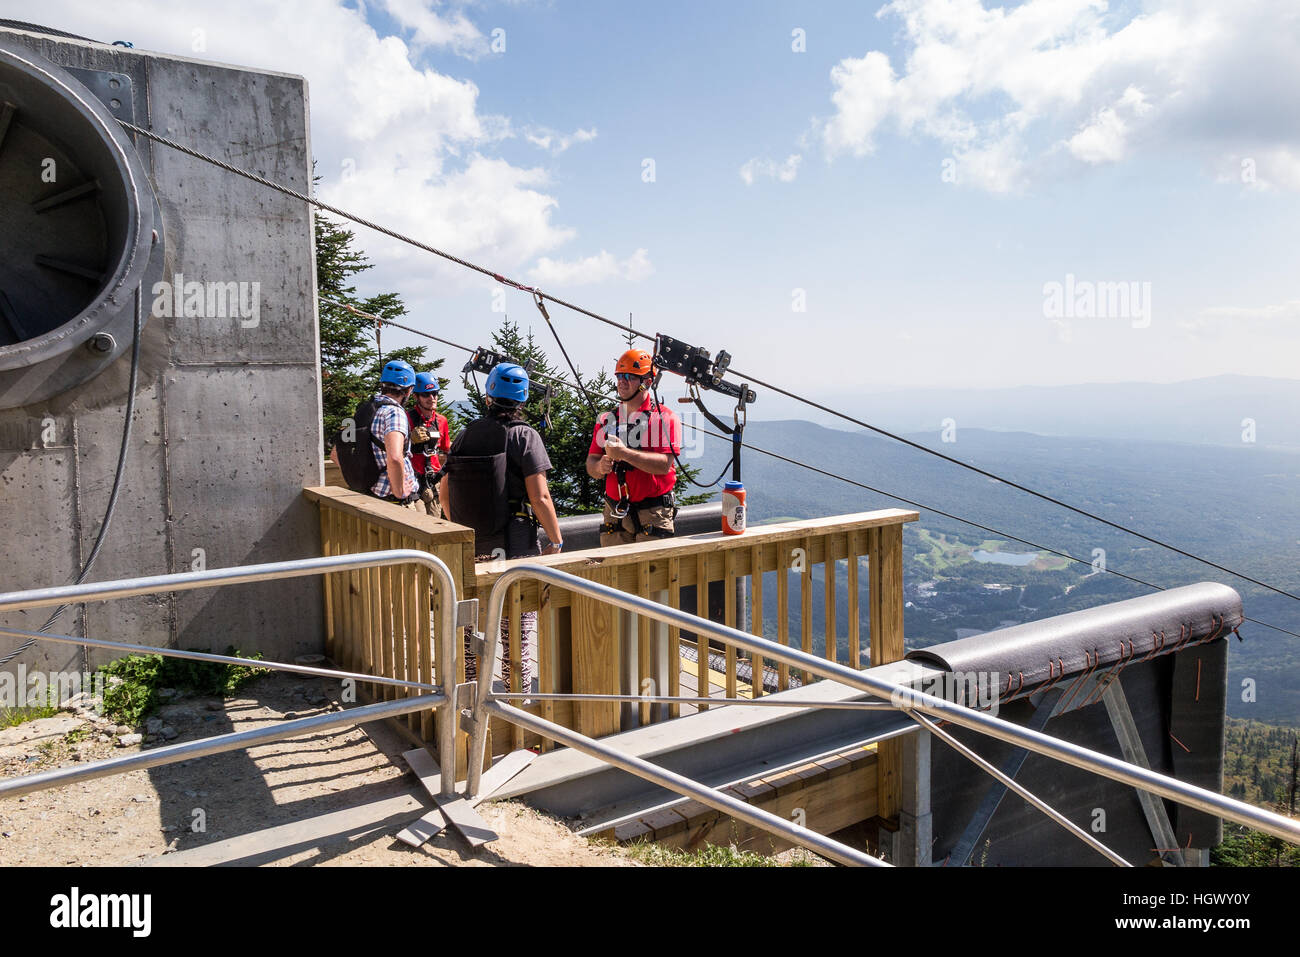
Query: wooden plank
(272, 844)
(832, 649)
(674, 637)
(711, 543)
(886, 574)
(389, 579)
(425, 829)
(497, 776)
(855, 637)
(643, 644)
(461, 815)
(805, 603)
(702, 611)
(546, 660)
(729, 616)
(783, 618)
(425, 769)
(516, 661)
(756, 614)
(404, 521)
(404, 646)
(423, 640)
(381, 611)
(326, 546)
(595, 659)
(827, 805)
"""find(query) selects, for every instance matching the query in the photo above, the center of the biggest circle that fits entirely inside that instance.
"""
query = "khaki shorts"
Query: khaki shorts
(659, 517)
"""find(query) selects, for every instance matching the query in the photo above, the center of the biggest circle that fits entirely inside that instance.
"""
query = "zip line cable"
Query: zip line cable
(625, 328)
(811, 468)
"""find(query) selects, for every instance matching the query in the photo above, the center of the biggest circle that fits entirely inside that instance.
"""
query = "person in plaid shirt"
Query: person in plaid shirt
(396, 481)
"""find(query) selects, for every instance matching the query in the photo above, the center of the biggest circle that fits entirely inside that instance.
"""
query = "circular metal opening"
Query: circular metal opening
(76, 228)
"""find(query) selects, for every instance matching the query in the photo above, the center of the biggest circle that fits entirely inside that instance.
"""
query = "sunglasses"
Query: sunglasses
(627, 377)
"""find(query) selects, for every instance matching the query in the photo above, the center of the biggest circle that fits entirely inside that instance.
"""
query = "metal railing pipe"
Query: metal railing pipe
(217, 659)
(271, 571)
(173, 753)
(819, 843)
(899, 695)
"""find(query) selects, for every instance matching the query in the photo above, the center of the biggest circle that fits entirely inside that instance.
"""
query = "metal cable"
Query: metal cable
(117, 481)
(627, 328)
(813, 468)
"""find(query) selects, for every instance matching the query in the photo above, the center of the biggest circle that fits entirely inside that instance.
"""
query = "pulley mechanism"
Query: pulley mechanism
(702, 372)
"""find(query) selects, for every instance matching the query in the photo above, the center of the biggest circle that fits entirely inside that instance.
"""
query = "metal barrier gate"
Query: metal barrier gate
(911, 702)
(437, 696)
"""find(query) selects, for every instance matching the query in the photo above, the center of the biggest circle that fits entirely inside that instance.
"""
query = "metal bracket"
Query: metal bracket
(467, 613)
(111, 89)
(478, 644)
(466, 701)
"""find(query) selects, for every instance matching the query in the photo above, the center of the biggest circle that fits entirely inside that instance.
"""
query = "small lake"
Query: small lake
(1003, 558)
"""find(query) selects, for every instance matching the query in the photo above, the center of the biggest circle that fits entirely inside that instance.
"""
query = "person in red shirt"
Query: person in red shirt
(430, 436)
(633, 448)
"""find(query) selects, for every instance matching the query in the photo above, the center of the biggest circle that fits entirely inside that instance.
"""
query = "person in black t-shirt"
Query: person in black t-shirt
(495, 470)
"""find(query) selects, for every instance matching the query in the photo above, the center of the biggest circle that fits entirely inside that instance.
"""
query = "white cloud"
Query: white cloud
(593, 269)
(430, 29)
(1075, 79)
(395, 141)
(555, 142)
(785, 172)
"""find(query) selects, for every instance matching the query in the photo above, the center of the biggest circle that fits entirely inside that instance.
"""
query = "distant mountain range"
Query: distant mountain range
(1237, 505)
(1205, 411)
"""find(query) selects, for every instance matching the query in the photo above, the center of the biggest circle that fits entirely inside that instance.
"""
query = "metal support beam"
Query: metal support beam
(965, 846)
(914, 841)
(1130, 744)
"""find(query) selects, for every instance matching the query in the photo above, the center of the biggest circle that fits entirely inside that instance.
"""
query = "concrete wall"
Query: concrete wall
(227, 426)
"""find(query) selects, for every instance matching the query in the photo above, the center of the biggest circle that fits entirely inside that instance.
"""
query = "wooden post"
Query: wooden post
(701, 642)
(515, 654)
(832, 649)
(545, 659)
(595, 659)
(886, 597)
(805, 602)
(855, 639)
(783, 615)
(424, 647)
(674, 638)
(756, 615)
(643, 641)
(729, 614)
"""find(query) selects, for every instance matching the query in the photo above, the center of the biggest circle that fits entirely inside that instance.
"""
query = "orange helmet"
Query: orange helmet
(635, 361)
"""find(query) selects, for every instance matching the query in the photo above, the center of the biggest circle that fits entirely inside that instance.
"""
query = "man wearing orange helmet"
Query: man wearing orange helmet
(633, 449)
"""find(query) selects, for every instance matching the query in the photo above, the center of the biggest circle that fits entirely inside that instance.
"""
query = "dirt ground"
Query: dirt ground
(158, 815)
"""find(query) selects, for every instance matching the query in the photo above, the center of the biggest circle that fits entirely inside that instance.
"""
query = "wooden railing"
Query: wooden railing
(379, 620)
(585, 646)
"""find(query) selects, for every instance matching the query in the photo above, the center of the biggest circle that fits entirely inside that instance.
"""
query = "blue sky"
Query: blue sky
(1154, 143)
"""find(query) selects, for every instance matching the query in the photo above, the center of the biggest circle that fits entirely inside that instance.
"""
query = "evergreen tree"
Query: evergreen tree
(349, 358)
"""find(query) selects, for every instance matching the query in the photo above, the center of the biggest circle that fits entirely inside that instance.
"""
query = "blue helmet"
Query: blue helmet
(508, 381)
(425, 383)
(398, 373)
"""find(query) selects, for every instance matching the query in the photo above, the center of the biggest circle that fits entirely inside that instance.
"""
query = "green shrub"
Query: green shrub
(131, 701)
